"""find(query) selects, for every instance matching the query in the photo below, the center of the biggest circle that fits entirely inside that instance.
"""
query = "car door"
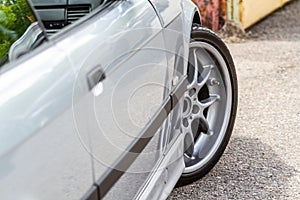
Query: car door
(170, 13)
(41, 154)
(124, 107)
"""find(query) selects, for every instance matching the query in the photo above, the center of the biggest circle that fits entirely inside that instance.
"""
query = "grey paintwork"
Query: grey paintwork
(57, 138)
(39, 146)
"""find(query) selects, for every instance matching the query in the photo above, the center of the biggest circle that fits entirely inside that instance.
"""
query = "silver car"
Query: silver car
(110, 99)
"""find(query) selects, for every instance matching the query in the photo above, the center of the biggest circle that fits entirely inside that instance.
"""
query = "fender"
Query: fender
(190, 15)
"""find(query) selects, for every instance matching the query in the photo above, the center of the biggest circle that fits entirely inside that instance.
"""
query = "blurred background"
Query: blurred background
(215, 13)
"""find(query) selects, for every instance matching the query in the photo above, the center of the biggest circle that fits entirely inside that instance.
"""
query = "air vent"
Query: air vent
(76, 12)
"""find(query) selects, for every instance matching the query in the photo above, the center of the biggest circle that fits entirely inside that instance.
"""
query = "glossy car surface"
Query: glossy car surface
(92, 95)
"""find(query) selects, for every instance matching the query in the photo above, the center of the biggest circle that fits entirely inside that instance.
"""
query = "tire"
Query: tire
(210, 103)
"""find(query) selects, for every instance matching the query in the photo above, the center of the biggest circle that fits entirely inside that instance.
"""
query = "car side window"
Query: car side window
(19, 30)
(56, 15)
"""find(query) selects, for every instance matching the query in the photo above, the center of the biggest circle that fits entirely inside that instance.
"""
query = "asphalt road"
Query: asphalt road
(262, 160)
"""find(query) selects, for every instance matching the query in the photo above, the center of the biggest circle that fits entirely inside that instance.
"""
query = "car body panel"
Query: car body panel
(69, 137)
(42, 156)
(167, 10)
(136, 69)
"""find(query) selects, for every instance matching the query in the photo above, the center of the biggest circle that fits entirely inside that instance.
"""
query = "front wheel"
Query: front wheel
(210, 103)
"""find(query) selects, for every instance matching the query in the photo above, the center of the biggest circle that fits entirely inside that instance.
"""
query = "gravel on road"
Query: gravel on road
(262, 160)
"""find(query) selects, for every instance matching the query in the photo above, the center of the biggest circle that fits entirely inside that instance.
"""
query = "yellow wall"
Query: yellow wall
(252, 11)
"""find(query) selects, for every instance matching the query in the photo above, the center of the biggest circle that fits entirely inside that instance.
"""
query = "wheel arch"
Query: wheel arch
(197, 17)
(190, 15)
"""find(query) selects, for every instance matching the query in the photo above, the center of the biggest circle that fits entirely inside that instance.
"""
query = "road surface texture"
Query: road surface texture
(262, 160)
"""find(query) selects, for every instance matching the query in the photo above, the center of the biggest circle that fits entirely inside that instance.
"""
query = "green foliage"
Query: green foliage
(15, 17)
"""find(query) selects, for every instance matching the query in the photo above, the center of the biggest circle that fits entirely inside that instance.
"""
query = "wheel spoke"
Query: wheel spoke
(196, 67)
(189, 143)
(209, 101)
(204, 125)
(205, 75)
(199, 145)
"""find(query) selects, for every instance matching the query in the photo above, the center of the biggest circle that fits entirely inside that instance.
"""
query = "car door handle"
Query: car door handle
(95, 76)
